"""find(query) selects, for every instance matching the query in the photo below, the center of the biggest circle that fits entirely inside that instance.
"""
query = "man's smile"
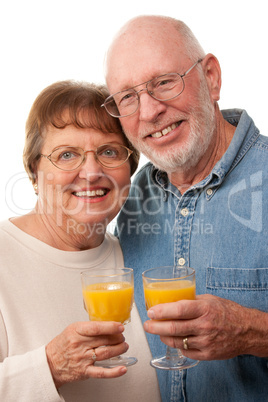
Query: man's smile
(165, 131)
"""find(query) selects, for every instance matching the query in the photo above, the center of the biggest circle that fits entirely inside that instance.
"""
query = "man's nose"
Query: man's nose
(150, 108)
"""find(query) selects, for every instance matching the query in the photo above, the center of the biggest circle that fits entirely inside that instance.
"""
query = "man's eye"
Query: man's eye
(166, 83)
(127, 98)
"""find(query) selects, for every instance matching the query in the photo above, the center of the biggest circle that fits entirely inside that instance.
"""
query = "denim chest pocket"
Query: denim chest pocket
(248, 287)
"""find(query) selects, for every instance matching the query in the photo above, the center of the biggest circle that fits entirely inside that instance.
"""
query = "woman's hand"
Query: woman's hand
(71, 356)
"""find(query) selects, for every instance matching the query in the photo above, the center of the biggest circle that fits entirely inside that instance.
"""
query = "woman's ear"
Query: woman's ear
(33, 169)
(212, 71)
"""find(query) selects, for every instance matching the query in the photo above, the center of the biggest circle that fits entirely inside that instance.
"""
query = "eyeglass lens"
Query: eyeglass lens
(70, 158)
(162, 88)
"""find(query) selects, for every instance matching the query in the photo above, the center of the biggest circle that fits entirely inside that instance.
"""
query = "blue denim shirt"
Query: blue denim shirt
(219, 227)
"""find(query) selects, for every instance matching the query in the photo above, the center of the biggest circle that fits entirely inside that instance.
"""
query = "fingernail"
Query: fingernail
(151, 314)
(123, 370)
(121, 328)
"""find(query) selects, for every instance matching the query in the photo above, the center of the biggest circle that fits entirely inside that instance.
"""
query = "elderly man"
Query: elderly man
(202, 202)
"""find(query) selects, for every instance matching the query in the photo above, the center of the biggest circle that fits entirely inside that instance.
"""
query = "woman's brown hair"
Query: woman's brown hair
(83, 102)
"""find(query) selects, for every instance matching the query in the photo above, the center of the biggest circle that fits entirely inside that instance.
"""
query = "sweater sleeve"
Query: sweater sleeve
(27, 378)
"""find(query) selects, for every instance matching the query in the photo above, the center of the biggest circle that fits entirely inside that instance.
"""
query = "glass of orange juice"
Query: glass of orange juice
(108, 296)
(167, 285)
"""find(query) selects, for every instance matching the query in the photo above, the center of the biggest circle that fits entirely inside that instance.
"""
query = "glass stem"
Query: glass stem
(173, 354)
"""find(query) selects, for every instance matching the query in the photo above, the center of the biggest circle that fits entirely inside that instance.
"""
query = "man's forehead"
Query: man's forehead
(128, 65)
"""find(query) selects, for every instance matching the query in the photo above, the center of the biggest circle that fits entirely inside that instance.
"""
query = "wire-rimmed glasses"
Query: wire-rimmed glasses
(70, 158)
(162, 88)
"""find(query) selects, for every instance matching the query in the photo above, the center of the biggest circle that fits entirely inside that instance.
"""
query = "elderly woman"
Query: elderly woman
(80, 165)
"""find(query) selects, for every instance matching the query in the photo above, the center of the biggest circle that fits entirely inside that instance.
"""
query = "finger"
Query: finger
(100, 372)
(183, 309)
(179, 343)
(169, 328)
(96, 328)
(106, 352)
(195, 350)
(97, 341)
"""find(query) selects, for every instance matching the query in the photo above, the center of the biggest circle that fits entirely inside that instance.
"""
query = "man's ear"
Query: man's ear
(212, 71)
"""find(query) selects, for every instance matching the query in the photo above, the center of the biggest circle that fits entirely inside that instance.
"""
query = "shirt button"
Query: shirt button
(184, 211)
(209, 191)
(181, 261)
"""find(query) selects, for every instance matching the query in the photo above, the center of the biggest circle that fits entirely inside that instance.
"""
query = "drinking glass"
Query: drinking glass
(166, 285)
(108, 296)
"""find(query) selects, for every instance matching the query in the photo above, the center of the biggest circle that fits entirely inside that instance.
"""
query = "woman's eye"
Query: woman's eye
(66, 155)
(110, 152)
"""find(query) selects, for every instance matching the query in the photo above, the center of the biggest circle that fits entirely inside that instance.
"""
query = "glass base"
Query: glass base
(166, 363)
(117, 361)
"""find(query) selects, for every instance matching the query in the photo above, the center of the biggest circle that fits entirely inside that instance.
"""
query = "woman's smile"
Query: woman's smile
(92, 195)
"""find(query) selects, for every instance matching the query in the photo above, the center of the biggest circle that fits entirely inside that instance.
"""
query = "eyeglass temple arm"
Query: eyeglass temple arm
(46, 156)
(195, 64)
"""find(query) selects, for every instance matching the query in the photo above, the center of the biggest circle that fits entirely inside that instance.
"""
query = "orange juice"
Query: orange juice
(168, 292)
(109, 301)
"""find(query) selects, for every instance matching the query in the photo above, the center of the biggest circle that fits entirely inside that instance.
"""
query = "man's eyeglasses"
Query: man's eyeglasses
(163, 88)
(70, 158)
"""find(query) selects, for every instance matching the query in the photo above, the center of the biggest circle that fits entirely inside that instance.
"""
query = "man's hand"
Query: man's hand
(216, 328)
(71, 354)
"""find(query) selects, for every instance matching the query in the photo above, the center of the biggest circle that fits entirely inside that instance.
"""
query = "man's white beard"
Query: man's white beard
(202, 128)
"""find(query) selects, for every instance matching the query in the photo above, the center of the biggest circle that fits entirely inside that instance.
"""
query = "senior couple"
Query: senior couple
(205, 189)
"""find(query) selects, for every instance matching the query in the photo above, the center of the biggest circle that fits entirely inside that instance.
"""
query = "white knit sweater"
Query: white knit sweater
(40, 295)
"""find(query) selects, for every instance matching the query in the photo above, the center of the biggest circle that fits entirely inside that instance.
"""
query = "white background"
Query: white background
(46, 41)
